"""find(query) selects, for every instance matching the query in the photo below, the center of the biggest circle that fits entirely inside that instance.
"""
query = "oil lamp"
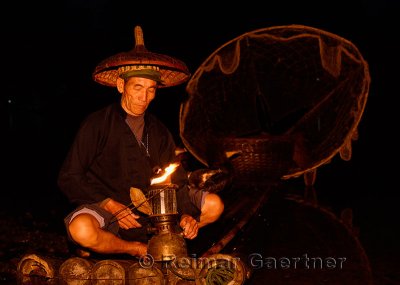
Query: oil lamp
(166, 243)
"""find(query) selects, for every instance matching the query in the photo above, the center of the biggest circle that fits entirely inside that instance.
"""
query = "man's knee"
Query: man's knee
(83, 229)
(213, 206)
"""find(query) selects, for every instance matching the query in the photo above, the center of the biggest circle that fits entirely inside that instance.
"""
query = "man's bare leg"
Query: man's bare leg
(85, 230)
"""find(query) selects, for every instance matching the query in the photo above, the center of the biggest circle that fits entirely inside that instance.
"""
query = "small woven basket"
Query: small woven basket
(257, 160)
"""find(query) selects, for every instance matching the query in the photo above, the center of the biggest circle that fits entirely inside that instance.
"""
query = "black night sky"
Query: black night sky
(50, 50)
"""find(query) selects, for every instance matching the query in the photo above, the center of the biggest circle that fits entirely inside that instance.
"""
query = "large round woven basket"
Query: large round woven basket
(276, 102)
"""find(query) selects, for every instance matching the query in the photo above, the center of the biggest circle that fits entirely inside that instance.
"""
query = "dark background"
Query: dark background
(50, 50)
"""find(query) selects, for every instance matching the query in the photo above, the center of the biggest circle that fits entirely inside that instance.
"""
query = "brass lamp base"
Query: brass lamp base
(167, 247)
(166, 244)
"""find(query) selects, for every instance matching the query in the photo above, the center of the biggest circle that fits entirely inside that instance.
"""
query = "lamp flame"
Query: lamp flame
(167, 172)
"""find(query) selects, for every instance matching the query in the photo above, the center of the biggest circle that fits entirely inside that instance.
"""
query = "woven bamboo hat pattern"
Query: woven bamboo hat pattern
(141, 61)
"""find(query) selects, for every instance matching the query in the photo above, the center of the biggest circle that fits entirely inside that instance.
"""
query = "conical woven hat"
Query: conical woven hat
(172, 70)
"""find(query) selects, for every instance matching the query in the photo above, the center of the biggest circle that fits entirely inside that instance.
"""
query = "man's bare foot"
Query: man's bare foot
(82, 253)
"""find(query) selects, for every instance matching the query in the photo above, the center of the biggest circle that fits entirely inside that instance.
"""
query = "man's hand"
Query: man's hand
(126, 219)
(139, 249)
(190, 226)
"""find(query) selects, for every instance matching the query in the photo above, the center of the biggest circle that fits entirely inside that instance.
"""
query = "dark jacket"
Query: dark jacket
(105, 160)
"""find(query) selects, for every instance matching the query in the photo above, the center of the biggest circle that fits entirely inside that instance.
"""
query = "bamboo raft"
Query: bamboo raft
(257, 220)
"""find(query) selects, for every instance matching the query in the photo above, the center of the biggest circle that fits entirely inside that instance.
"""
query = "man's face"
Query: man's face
(137, 93)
